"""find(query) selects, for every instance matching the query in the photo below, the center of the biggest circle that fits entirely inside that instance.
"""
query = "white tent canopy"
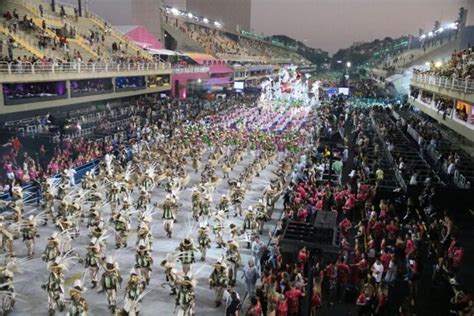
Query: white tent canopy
(163, 52)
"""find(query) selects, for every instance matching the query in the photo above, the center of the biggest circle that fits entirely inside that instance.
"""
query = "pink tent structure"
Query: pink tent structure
(141, 36)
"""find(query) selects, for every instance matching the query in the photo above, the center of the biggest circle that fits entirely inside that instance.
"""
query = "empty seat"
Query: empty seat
(31, 129)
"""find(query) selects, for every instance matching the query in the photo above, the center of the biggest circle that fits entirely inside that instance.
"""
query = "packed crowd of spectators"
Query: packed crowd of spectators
(460, 66)
(71, 152)
(218, 42)
(386, 245)
(213, 41)
(58, 48)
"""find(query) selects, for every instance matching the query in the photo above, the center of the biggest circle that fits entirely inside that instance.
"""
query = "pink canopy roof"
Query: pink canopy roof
(141, 36)
(220, 69)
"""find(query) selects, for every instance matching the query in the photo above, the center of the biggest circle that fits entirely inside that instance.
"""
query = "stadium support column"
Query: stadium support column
(2, 100)
(68, 88)
(53, 5)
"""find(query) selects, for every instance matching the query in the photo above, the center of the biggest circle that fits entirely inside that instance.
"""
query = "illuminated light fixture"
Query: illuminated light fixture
(440, 30)
(199, 80)
(205, 20)
(430, 34)
(453, 25)
(217, 24)
(348, 64)
(339, 61)
(427, 64)
(190, 15)
(175, 11)
(438, 64)
(423, 36)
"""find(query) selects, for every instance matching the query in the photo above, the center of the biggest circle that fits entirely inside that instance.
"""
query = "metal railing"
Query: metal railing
(81, 67)
(462, 85)
(182, 70)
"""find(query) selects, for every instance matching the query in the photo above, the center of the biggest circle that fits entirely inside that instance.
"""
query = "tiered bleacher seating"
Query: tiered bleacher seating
(378, 157)
(434, 144)
(407, 160)
(63, 35)
(227, 45)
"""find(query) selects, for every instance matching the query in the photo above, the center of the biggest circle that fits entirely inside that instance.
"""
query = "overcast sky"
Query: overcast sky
(334, 24)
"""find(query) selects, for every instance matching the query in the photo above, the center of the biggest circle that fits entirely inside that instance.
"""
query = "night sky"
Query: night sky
(334, 24)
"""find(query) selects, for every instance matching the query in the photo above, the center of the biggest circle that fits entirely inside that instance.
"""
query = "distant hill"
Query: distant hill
(315, 55)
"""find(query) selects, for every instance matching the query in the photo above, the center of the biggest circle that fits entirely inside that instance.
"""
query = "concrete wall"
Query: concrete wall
(445, 91)
(459, 127)
(8, 111)
(469, 5)
(77, 76)
(467, 37)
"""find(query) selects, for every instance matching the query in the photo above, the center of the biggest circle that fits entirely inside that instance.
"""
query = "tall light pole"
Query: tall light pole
(79, 7)
(53, 5)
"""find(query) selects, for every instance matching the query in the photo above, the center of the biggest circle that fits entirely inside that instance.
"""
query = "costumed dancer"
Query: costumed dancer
(261, 216)
(185, 300)
(92, 260)
(29, 235)
(224, 204)
(51, 251)
(143, 262)
(232, 256)
(144, 234)
(205, 207)
(121, 226)
(48, 205)
(196, 203)
(143, 200)
(168, 215)
(55, 286)
(218, 281)
(218, 229)
(170, 272)
(7, 289)
(77, 304)
(65, 226)
(250, 224)
(204, 242)
(114, 197)
(234, 232)
(186, 255)
(133, 293)
(6, 237)
(110, 281)
(196, 164)
(237, 197)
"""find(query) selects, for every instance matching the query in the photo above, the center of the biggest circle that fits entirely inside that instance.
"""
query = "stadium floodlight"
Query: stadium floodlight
(175, 11)
(427, 64)
(217, 24)
(190, 15)
(423, 36)
(438, 64)
(440, 30)
(453, 25)
(199, 80)
(430, 34)
(339, 61)
(348, 64)
(205, 20)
